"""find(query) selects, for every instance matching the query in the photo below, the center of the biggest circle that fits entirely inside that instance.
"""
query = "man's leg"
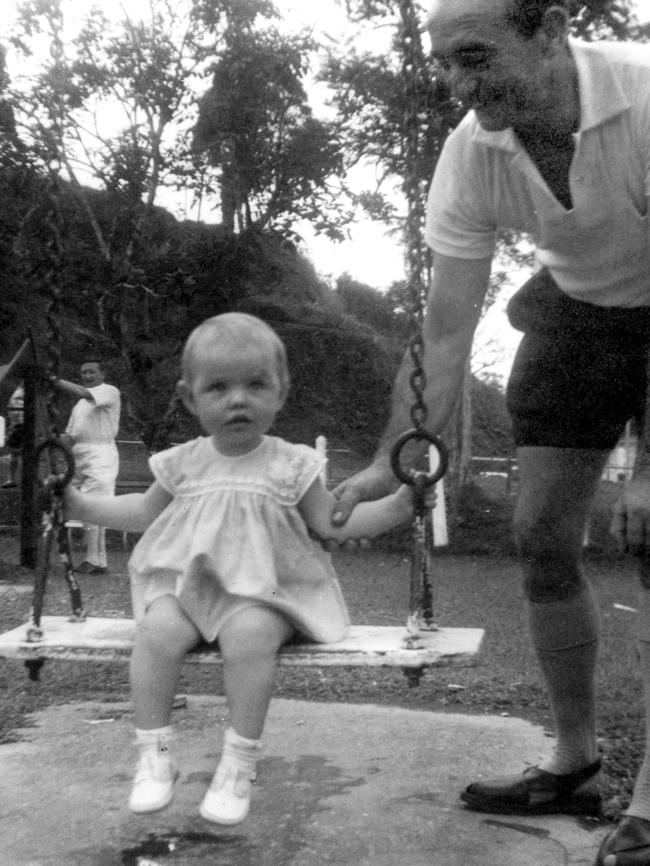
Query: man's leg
(556, 489)
(628, 844)
(100, 472)
(640, 805)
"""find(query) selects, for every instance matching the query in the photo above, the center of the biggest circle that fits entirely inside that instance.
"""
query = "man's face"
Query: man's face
(488, 65)
(91, 374)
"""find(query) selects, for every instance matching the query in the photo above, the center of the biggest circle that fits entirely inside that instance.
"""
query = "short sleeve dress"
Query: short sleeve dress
(232, 537)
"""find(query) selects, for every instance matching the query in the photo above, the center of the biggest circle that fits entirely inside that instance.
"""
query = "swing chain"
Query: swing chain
(54, 223)
(418, 271)
(54, 460)
(418, 257)
(57, 467)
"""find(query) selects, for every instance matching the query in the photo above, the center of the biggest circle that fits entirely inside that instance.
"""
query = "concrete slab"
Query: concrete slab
(340, 785)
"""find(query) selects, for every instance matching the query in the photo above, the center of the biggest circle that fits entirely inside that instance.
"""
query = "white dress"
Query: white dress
(232, 537)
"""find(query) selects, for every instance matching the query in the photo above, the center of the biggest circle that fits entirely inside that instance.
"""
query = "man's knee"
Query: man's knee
(550, 560)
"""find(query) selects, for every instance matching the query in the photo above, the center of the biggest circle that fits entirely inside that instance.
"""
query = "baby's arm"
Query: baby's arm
(368, 518)
(132, 512)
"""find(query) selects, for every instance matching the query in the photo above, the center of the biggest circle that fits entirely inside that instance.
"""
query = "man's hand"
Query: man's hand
(371, 483)
(375, 481)
(631, 521)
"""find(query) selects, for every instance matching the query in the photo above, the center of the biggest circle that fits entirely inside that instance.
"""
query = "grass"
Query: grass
(471, 590)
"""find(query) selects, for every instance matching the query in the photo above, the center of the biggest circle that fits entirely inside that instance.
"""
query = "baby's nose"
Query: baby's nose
(237, 396)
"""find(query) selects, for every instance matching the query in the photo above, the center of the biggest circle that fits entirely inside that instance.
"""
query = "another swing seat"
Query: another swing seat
(108, 639)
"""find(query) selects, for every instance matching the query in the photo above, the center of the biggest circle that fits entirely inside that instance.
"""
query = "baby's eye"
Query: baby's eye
(218, 386)
(256, 384)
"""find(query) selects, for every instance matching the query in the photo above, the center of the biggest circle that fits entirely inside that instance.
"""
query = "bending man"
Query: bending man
(556, 143)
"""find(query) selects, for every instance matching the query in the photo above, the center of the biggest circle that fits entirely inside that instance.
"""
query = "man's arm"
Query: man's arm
(72, 389)
(453, 311)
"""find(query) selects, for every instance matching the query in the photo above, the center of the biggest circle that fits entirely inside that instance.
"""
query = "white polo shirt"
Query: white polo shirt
(599, 251)
(96, 422)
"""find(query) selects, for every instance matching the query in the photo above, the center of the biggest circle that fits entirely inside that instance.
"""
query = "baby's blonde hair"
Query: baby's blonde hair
(239, 327)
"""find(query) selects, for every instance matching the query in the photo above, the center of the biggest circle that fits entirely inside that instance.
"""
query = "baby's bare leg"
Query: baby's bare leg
(249, 642)
(162, 641)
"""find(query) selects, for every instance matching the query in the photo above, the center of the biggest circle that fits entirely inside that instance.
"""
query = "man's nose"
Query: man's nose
(463, 83)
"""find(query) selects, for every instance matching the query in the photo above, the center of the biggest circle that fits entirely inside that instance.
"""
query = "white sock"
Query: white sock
(240, 753)
(154, 739)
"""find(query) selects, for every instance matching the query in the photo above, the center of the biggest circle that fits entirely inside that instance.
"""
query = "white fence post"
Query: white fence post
(439, 510)
(321, 448)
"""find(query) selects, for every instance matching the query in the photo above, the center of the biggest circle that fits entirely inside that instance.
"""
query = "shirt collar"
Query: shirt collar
(601, 97)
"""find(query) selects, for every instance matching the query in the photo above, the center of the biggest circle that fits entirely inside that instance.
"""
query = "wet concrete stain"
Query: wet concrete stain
(191, 847)
(281, 830)
(300, 796)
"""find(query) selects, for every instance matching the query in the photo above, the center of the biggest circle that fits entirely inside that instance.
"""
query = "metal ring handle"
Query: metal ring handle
(56, 447)
(418, 436)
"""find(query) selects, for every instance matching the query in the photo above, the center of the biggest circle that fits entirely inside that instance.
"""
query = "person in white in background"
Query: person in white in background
(90, 433)
(14, 440)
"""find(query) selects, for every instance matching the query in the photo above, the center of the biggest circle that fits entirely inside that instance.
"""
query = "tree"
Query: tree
(373, 308)
(256, 129)
(129, 296)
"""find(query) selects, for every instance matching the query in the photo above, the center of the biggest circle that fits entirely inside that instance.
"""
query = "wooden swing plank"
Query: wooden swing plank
(109, 639)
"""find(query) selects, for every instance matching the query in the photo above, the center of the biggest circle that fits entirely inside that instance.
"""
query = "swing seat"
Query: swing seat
(110, 639)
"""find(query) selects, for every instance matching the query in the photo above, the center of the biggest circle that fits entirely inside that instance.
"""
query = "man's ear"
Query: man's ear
(554, 29)
(185, 393)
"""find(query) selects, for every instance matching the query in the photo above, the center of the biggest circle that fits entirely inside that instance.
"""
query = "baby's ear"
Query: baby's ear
(185, 393)
(284, 390)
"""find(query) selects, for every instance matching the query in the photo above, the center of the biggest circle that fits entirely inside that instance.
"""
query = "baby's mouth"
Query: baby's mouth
(239, 419)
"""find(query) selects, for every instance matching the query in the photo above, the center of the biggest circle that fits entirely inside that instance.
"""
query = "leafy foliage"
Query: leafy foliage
(125, 273)
(256, 128)
(600, 19)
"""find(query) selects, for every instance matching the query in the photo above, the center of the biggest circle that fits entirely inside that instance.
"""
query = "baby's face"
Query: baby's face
(235, 392)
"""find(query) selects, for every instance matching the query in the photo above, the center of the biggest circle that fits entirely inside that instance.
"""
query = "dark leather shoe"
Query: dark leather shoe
(536, 792)
(628, 844)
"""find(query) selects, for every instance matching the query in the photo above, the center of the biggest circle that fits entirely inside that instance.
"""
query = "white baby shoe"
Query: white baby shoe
(228, 798)
(154, 776)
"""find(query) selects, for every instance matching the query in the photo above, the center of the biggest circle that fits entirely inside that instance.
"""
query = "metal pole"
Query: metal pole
(28, 517)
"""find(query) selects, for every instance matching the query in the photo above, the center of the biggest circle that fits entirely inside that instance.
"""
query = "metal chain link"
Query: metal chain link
(418, 258)
(54, 227)
(421, 615)
(52, 286)
(53, 528)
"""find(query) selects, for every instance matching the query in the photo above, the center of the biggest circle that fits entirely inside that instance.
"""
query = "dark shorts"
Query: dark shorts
(580, 372)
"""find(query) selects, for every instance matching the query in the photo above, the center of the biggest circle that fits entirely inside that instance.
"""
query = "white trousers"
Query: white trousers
(96, 468)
